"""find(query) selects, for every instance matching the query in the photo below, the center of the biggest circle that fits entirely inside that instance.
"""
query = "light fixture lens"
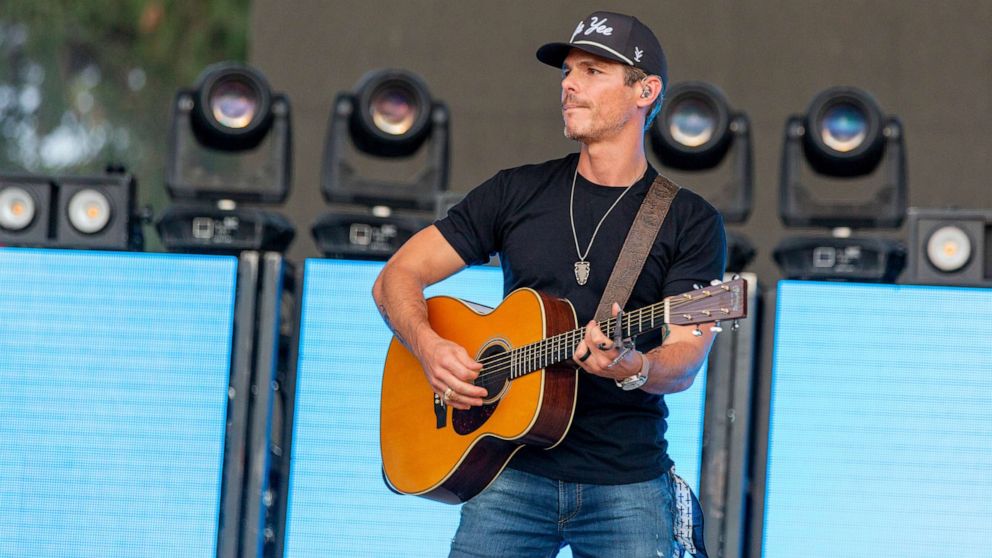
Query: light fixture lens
(949, 248)
(233, 103)
(393, 109)
(692, 123)
(843, 127)
(16, 208)
(89, 211)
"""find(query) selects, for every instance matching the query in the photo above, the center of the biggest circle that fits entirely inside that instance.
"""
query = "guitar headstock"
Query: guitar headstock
(720, 301)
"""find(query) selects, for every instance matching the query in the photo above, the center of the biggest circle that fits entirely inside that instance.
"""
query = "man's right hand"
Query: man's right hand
(448, 366)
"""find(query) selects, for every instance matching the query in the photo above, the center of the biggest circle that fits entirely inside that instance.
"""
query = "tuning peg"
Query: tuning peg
(736, 276)
(696, 331)
(715, 282)
(697, 286)
(735, 325)
(715, 328)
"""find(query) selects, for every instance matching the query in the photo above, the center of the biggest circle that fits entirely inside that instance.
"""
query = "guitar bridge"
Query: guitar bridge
(440, 412)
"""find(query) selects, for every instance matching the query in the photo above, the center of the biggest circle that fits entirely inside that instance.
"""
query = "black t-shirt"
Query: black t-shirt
(616, 436)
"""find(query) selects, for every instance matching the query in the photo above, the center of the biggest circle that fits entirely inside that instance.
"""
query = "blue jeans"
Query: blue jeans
(529, 516)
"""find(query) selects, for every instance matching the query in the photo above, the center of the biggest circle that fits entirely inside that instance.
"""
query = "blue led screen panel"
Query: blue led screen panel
(114, 369)
(881, 422)
(338, 503)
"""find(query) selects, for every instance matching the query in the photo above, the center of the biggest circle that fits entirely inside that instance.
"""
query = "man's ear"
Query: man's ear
(650, 89)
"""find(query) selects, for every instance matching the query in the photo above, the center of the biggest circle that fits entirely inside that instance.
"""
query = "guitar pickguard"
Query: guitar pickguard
(467, 422)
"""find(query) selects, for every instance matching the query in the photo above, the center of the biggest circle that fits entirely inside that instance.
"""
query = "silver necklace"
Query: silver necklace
(582, 266)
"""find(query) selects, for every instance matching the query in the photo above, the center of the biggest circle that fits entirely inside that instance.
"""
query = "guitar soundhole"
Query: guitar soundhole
(495, 380)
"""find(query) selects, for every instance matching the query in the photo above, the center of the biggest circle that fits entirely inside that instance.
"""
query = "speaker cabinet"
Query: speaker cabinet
(950, 247)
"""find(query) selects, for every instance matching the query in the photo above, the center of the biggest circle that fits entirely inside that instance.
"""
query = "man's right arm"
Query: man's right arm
(424, 260)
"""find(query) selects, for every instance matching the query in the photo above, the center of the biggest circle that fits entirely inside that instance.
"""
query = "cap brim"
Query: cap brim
(554, 54)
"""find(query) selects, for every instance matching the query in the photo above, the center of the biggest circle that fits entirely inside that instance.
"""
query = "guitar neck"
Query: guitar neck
(558, 348)
(723, 301)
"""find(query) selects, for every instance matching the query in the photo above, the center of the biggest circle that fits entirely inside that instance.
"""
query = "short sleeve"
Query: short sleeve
(472, 225)
(700, 255)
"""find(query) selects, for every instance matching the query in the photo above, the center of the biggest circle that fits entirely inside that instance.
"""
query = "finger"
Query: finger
(467, 361)
(594, 336)
(616, 309)
(462, 401)
(581, 353)
(464, 387)
(458, 363)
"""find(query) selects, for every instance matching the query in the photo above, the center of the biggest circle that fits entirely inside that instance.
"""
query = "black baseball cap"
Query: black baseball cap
(618, 37)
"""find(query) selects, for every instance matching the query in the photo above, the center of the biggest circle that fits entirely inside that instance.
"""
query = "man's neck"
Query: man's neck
(613, 163)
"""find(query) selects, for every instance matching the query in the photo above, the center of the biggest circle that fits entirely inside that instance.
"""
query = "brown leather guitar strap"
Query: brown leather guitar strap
(635, 249)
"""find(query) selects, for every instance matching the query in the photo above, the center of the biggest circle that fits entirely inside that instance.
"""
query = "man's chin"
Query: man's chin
(573, 134)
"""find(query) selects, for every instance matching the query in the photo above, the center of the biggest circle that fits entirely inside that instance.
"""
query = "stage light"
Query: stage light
(389, 115)
(389, 118)
(89, 211)
(696, 127)
(232, 107)
(696, 131)
(392, 115)
(950, 247)
(94, 212)
(25, 205)
(230, 142)
(16, 208)
(843, 135)
(850, 145)
(845, 132)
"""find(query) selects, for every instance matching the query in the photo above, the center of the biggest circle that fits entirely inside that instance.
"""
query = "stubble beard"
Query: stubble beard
(599, 128)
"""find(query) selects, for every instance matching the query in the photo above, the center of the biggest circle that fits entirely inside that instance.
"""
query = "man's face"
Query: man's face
(595, 103)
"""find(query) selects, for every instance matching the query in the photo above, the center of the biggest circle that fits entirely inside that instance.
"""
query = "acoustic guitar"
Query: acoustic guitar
(525, 346)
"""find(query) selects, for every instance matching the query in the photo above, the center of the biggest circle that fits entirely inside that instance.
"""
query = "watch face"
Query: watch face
(632, 382)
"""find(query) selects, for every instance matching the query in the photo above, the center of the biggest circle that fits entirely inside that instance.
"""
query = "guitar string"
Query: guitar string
(504, 361)
(609, 324)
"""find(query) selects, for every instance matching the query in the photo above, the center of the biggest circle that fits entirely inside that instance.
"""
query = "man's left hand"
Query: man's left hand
(597, 354)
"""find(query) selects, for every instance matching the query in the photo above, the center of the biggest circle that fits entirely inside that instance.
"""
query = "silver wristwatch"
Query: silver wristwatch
(637, 380)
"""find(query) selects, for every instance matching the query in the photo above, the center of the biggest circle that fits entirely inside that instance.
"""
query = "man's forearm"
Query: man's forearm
(400, 300)
(673, 367)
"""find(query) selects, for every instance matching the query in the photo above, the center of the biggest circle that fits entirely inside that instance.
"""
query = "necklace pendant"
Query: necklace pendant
(581, 272)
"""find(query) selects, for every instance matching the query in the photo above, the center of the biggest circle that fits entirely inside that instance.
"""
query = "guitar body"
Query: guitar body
(450, 455)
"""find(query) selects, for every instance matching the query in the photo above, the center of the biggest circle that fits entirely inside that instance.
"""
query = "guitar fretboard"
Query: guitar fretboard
(708, 304)
(558, 348)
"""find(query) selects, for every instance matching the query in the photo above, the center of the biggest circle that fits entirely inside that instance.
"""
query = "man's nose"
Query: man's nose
(568, 84)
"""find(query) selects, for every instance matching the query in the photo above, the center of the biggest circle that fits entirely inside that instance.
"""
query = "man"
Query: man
(558, 228)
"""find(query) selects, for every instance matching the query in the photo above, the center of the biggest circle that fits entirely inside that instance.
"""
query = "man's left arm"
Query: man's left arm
(672, 366)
